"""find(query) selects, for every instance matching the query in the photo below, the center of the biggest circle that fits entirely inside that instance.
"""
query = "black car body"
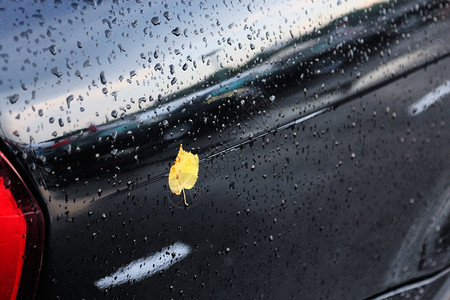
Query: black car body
(321, 127)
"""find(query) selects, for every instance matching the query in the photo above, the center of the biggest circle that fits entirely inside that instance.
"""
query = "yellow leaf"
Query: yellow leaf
(184, 172)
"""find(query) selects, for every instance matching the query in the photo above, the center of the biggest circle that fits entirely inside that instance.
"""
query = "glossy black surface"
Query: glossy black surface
(321, 175)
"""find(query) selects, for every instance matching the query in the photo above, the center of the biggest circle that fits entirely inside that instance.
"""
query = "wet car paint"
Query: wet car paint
(322, 173)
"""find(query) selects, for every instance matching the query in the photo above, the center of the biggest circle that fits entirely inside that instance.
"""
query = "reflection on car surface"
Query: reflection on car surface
(321, 129)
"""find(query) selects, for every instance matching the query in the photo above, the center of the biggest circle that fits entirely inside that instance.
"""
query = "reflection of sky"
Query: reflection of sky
(215, 28)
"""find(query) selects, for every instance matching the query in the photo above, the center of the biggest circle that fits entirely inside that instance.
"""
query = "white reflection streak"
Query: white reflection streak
(429, 99)
(145, 267)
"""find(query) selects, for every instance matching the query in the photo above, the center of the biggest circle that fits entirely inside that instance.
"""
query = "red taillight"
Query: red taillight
(12, 243)
(21, 236)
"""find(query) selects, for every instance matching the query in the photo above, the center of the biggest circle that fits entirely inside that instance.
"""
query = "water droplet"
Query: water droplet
(102, 78)
(78, 74)
(13, 98)
(114, 113)
(108, 22)
(142, 99)
(167, 15)
(156, 21)
(52, 49)
(108, 33)
(87, 63)
(60, 122)
(68, 64)
(68, 100)
(79, 44)
(56, 72)
(68, 148)
(176, 31)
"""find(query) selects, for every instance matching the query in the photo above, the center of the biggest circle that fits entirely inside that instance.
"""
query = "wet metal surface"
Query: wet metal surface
(317, 175)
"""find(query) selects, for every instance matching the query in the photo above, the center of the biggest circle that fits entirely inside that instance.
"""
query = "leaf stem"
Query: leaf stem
(184, 196)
